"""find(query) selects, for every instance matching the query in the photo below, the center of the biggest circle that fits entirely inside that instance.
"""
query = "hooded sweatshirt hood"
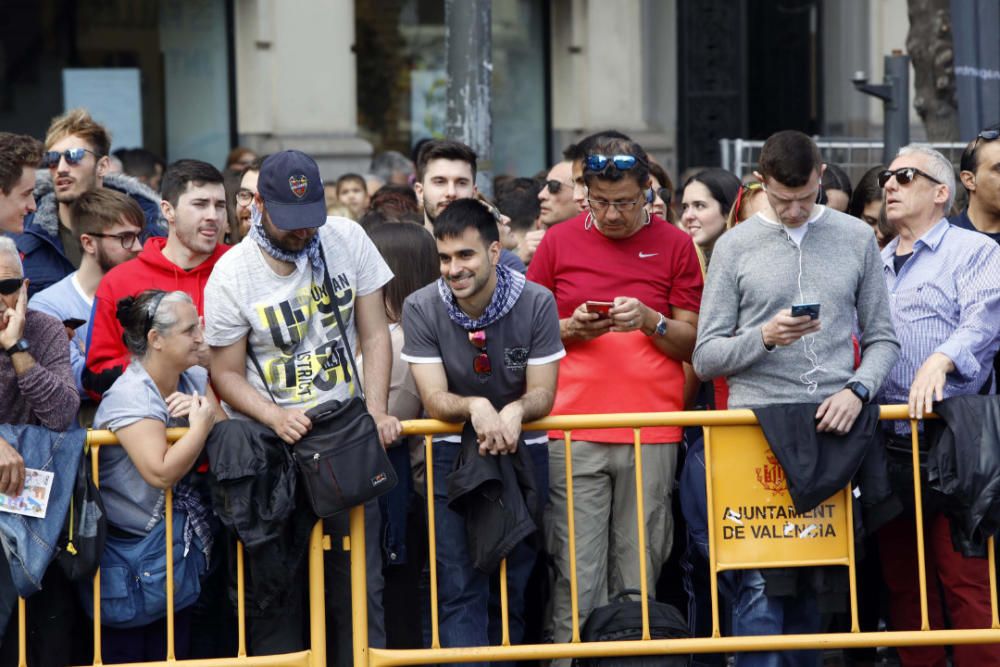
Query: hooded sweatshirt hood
(107, 356)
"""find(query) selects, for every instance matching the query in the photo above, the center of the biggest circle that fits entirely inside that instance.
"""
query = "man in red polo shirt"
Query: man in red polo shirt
(622, 357)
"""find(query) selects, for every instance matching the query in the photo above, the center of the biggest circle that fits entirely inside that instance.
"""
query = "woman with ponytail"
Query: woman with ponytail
(162, 387)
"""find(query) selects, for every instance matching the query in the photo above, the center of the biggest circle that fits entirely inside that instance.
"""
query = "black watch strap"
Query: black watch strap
(860, 391)
(20, 346)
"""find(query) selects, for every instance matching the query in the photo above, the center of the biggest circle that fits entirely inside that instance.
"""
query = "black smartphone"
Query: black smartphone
(810, 309)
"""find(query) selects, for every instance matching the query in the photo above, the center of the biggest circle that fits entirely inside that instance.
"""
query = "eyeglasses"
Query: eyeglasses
(665, 195)
(73, 157)
(745, 189)
(244, 197)
(555, 186)
(127, 239)
(904, 175)
(481, 364)
(598, 162)
(10, 285)
(600, 206)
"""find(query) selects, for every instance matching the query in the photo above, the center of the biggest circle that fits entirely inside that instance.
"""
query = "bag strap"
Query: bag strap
(260, 371)
(328, 284)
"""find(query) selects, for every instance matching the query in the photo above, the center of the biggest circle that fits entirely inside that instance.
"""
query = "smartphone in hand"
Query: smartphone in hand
(810, 309)
(602, 308)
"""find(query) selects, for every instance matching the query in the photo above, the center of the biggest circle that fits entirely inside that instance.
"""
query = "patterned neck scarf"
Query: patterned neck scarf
(258, 234)
(510, 284)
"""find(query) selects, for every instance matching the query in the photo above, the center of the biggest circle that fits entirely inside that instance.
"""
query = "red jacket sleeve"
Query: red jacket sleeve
(107, 356)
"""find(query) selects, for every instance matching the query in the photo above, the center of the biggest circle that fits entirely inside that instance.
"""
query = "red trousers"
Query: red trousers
(955, 583)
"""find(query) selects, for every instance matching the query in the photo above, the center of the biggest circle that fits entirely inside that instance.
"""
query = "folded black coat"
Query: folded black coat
(817, 465)
(964, 465)
(254, 494)
(496, 496)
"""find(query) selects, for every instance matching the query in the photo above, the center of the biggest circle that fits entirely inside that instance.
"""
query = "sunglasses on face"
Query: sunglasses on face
(904, 176)
(665, 195)
(73, 157)
(481, 363)
(555, 186)
(127, 239)
(10, 285)
(598, 162)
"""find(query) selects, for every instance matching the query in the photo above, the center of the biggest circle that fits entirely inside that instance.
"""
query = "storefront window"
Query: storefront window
(402, 79)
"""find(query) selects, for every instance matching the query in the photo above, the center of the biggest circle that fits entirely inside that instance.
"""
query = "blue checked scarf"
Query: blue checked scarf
(188, 500)
(258, 234)
(510, 284)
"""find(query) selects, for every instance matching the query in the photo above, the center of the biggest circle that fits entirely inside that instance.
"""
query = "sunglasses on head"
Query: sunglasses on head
(598, 162)
(73, 157)
(481, 363)
(904, 176)
(10, 285)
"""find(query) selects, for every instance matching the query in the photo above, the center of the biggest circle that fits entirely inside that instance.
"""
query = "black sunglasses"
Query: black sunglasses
(665, 195)
(904, 176)
(10, 285)
(73, 157)
(555, 186)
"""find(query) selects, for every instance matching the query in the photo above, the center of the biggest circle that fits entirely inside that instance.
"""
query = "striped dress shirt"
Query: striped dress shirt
(946, 298)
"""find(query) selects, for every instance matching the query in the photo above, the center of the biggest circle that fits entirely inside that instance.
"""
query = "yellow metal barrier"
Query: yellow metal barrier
(824, 551)
(315, 656)
(714, 422)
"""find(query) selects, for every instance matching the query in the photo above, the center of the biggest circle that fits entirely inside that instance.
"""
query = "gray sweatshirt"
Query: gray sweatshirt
(756, 271)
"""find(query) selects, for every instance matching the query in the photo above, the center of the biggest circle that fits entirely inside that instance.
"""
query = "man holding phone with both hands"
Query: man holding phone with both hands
(760, 328)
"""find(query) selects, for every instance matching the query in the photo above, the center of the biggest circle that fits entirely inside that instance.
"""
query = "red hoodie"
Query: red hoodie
(107, 356)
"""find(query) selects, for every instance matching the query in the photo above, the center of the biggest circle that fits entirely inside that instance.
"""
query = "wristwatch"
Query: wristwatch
(20, 346)
(661, 326)
(859, 390)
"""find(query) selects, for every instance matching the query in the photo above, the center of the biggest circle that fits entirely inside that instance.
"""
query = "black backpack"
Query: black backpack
(621, 619)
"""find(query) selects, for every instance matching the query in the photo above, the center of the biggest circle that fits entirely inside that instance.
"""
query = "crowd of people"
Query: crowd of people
(137, 297)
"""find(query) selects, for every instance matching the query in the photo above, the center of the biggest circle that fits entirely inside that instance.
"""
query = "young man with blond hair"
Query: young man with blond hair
(77, 160)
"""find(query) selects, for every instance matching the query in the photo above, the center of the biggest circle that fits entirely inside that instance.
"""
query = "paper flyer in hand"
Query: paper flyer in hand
(34, 500)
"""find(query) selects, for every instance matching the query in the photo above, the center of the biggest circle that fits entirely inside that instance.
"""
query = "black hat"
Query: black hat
(290, 186)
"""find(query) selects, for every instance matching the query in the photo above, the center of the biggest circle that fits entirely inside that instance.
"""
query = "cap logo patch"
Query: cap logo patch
(299, 184)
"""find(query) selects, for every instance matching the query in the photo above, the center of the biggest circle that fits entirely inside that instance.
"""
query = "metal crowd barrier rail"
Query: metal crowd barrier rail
(314, 656)
(856, 156)
(715, 423)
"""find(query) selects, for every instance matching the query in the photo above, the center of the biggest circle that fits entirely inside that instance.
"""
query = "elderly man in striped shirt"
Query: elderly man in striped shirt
(944, 286)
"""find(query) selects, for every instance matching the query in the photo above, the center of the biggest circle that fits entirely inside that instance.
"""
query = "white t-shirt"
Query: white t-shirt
(292, 329)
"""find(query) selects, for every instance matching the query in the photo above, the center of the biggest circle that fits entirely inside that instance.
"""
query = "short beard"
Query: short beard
(279, 243)
(103, 261)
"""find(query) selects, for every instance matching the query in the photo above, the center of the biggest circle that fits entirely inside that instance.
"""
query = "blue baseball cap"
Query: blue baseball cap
(292, 190)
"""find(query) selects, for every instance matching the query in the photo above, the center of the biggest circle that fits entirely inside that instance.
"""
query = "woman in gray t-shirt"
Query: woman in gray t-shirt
(162, 387)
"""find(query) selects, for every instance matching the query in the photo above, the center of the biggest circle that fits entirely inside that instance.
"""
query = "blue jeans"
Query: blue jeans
(464, 600)
(757, 614)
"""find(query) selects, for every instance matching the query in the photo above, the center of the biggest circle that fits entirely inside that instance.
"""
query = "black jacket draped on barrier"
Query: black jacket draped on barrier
(964, 465)
(255, 495)
(817, 465)
(496, 496)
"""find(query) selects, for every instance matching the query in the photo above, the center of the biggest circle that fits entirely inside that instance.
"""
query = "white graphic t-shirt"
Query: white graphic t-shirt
(290, 321)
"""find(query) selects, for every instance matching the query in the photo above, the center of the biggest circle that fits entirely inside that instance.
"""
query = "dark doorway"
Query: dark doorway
(747, 68)
(783, 66)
